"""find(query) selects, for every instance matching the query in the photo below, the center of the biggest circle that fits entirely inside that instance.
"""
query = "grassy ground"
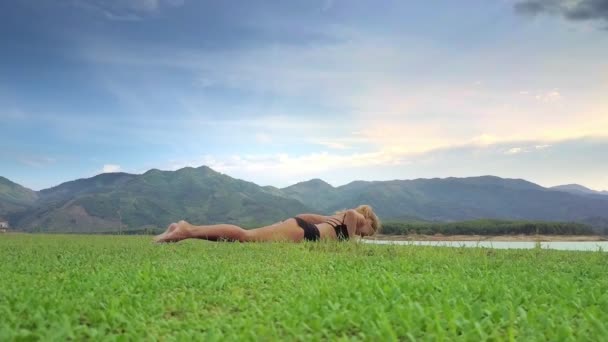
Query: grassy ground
(57, 287)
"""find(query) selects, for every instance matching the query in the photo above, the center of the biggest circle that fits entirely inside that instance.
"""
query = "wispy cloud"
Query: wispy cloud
(577, 10)
(484, 139)
(515, 150)
(270, 86)
(36, 161)
(361, 78)
(285, 167)
(551, 96)
(125, 10)
(108, 168)
(543, 96)
(337, 145)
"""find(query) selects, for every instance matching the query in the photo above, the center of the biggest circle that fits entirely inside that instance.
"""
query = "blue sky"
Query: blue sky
(279, 92)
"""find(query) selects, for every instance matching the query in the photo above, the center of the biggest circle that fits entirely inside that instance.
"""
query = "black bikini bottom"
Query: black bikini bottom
(311, 232)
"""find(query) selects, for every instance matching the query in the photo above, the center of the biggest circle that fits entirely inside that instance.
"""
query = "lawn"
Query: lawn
(57, 287)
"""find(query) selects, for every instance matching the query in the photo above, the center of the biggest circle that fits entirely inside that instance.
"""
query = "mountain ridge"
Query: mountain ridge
(14, 197)
(579, 189)
(115, 201)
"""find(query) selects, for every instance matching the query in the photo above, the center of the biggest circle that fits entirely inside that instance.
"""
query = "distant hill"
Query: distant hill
(115, 201)
(109, 202)
(14, 198)
(315, 193)
(579, 190)
(100, 183)
(455, 199)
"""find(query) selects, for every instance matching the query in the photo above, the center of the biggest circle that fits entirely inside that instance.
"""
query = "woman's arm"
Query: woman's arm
(352, 219)
(313, 218)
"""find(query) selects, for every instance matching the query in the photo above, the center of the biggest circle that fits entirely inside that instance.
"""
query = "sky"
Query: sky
(277, 92)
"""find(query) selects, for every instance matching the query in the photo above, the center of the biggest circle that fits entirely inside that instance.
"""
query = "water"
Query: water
(561, 245)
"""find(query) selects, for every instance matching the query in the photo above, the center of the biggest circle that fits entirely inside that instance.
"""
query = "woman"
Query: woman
(360, 221)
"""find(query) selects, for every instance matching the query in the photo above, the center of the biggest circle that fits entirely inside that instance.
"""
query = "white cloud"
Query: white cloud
(544, 96)
(285, 164)
(340, 167)
(514, 150)
(280, 168)
(108, 168)
(332, 144)
(550, 96)
(376, 89)
(530, 148)
(484, 139)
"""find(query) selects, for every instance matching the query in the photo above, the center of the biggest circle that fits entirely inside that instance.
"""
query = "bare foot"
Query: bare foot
(174, 233)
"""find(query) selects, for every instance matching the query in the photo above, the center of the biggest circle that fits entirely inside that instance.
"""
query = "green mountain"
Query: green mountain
(455, 199)
(110, 202)
(14, 198)
(100, 183)
(58, 208)
(579, 190)
(315, 193)
(121, 201)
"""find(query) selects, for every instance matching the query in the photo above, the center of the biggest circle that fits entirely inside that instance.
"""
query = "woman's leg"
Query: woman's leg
(287, 230)
(184, 230)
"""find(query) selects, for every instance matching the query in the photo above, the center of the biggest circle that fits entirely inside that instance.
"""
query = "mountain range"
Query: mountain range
(120, 201)
(579, 190)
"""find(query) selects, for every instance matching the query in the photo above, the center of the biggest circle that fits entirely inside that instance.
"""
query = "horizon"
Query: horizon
(281, 93)
(310, 179)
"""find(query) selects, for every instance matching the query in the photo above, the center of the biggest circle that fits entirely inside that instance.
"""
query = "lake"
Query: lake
(561, 245)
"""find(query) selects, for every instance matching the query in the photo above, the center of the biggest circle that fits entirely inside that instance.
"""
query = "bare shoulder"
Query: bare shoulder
(354, 213)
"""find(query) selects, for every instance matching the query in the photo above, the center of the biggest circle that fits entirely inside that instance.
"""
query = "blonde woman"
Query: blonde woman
(361, 221)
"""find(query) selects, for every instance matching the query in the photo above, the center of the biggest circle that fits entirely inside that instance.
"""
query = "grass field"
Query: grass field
(57, 287)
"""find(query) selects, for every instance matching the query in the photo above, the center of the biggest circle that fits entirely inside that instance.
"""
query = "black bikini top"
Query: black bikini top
(339, 227)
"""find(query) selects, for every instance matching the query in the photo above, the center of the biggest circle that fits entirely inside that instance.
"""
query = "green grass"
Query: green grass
(57, 287)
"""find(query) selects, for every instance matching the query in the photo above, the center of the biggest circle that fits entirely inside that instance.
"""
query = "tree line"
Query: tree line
(487, 227)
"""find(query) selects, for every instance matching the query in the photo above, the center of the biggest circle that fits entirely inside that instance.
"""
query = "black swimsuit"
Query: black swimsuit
(311, 232)
(339, 227)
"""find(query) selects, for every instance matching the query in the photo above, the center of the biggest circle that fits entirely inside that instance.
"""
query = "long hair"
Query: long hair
(368, 213)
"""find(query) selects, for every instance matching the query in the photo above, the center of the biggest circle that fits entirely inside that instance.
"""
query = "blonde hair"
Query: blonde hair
(368, 213)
